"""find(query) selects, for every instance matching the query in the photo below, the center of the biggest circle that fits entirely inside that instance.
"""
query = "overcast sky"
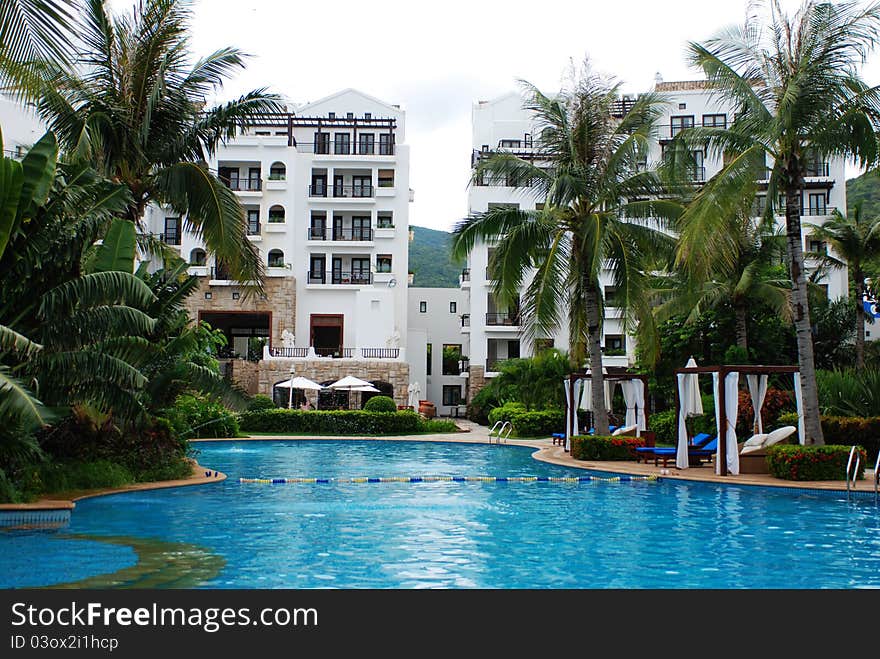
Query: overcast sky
(436, 59)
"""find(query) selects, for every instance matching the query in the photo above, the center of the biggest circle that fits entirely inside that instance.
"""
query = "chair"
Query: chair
(753, 451)
(703, 446)
(624, 430)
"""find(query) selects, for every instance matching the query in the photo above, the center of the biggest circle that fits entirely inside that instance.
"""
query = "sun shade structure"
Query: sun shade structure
(725, 389)
(691, 404)
(350, 383)
(298, 382)
(635, 393)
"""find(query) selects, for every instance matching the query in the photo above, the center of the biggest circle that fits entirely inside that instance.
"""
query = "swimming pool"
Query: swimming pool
(664, 534)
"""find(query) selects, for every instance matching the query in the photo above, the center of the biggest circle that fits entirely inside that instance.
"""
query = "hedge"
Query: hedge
(331, 422)
(594, 447)
(534, 423)
(811, 463)
(847, 431)
(194, 417)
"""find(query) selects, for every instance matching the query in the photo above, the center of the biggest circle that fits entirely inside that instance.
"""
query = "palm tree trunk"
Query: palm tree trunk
(800, 304)
(859, 280)
(594, 339)
(742, 329)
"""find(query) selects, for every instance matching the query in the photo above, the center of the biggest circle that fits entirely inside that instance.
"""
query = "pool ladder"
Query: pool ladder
(852, 469)
(499, 429)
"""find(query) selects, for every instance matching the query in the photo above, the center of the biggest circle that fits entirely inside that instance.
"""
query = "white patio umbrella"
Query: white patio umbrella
(350, 383)
(298, 382)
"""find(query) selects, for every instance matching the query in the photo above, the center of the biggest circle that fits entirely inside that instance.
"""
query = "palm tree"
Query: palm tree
(754, 276)
(135, 109)
(857, 241)
(798, 98)
(589, 173)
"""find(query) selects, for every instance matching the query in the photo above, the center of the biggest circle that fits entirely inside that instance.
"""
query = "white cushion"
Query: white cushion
(779, 434)
(755, 440)
(623, 430)
(751, 449)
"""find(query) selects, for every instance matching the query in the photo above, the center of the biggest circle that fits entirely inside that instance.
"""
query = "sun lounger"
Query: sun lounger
(667, 454)
(753, 452)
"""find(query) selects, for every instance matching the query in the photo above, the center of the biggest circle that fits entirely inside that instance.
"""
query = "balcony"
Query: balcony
(342, 191)
(253, 229)
(328, 148)
(504, 319)
(346, 234)
(243, 184)
(311, 352)
(340, 277)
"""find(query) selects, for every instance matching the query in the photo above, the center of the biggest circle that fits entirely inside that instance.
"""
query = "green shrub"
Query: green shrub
(849, 393)
(811, 463)
(195, 417)
(505, 412)
(62, 477)
(482, 403)
(260, 402)
(594, 447)
(533, 423)
(384, 404)
(331, 422)
(665, 426)
(846, 431)
(439, 426)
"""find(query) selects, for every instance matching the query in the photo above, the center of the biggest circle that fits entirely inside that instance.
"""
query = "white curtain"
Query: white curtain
(681, 455)
(731, 408)
(799, 398)
(569, 410)
(757, 390)
(639, 388)
(634, 396)
(717, 393)
(577, 395)
(586, 396)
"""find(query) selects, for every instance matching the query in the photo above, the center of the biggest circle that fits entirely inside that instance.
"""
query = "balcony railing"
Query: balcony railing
(253, 228)
(339, 353)
(219, 272)
(289, 352)
(502, 318)
(243, 184)
(466, 320)
(354, 149)
(380, 353)
(342, 191)
(817, 169)
(346, 234)
(806, 211)
(357, 278)
(170, 237)
(465, 275)
(697, 174)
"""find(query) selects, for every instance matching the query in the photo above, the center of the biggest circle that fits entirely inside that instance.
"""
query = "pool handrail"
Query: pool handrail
(849, 470)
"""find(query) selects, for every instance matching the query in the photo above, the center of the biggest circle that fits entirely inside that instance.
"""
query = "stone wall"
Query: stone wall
(245, 374)
(280, 302)
(476, 381)
(320, 370)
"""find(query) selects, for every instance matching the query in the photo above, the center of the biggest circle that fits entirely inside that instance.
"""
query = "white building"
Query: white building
(21, 127)
(326, 192)
(435, 329)
(493, 331)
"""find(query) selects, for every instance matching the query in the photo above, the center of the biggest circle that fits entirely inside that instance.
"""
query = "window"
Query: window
(678, 124)
(368, 115)
(383, 263)
(451, 357)
(349, 115)
(699, 172)
(452, 394)
(318, 226)
(386, 178)
(331, 115)
(360, 271)
(198, 257)
(682, 106)
(423, 307)
(816, 246)
(236, 295)
(277, 172)
(317, 269)
(386, 144)
(816, 203)
(510, 144)
(361, 229)
(342, 143)
(172, 231)
(208, 295)
(276, 258)
(262, 133)
(253, 179)
(319, 185)
(715, 120)
(367, 143)
(385, 220)
(453, 307)
(253, 222)
(615, 344)
(428, 351)
(322, 142)
(276, 215)
(361, 186)
(611, 299)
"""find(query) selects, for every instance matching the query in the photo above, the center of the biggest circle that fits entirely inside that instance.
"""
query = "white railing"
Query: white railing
(306, 353)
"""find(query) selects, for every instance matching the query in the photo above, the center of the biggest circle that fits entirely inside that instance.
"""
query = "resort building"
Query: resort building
(326, 190)
(436, 323)
(491, 331)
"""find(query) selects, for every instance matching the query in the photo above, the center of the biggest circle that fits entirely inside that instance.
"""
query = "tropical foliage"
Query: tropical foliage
(801, 101)
(589, 180)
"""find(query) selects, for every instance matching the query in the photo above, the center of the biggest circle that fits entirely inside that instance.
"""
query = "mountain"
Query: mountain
(430, 259)
(864, 189)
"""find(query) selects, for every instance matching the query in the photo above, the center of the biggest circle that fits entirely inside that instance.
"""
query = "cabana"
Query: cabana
(635, 393)
(726, 407)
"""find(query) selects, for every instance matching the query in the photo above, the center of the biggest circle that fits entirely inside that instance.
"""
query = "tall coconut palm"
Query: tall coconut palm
(857, 241)
(799, 97)
(754, 276)
(134, 106)
(589, 174)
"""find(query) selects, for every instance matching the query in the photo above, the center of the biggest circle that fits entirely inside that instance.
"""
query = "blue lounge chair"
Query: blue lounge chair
(704, 447)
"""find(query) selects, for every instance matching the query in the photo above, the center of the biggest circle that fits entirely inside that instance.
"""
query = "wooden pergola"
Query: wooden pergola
(723, 372)
(571, 405)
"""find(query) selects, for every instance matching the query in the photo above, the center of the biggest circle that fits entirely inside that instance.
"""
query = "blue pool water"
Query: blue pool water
(456, 535)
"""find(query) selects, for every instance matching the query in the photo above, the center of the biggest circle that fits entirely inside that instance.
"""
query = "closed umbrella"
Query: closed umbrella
(695, 401)
(691, 404)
